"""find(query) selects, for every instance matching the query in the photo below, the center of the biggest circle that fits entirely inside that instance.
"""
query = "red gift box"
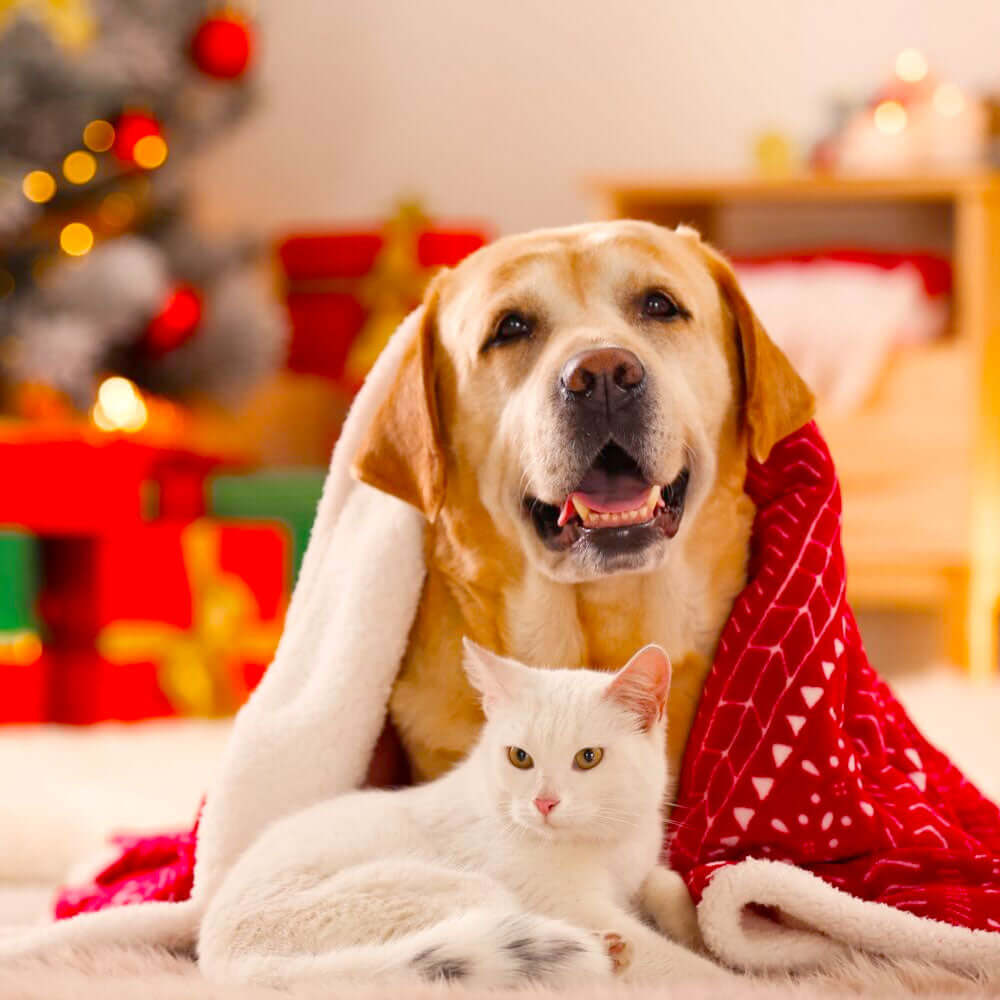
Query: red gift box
(79, 484)
(163, 619)
(24, 677)
(333, 280)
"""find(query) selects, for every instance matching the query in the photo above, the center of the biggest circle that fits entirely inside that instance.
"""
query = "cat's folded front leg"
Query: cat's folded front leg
(665, 899)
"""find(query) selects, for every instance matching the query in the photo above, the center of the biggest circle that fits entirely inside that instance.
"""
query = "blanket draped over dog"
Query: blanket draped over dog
(812, 814)
(801, 756)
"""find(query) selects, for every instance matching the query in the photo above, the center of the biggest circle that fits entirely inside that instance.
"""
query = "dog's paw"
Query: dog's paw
(618, 950)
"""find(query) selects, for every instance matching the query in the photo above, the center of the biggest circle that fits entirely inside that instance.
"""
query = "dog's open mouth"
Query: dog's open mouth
(614, 507)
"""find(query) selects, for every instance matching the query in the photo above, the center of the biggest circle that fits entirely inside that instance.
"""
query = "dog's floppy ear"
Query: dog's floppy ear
(777, 400)
(401, 453)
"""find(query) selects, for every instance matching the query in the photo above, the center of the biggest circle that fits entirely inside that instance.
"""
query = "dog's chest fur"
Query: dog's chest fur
(683, 606)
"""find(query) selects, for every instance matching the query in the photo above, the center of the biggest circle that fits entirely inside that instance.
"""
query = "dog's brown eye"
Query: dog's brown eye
(659, 305)
(512, 326)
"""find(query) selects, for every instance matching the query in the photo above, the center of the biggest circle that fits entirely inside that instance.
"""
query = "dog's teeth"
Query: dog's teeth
(581, 508)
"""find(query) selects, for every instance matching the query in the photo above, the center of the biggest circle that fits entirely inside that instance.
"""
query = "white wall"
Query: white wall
(495, 110)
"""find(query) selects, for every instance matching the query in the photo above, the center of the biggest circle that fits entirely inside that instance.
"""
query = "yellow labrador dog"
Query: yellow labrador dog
(574, 420)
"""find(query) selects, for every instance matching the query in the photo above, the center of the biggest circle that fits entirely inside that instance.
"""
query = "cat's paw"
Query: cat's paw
(618, 950)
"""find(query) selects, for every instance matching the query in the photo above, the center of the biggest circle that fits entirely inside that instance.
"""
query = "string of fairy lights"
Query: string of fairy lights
(137, 141)
(112, 163)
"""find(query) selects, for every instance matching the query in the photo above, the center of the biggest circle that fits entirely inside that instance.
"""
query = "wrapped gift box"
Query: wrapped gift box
(287, 495)
(19, 575)
(73, 483)
(162, 619)
(24, 688)
(340, 284)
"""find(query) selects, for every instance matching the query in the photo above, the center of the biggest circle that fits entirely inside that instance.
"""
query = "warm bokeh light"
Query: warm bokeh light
(890, 117)
(99, 135)
(79, 167)
(911, 65)
(949, 100)
(22, 648)
(38, 186)
(119, 406)
(150, 152)
(76, 239)
(117, 210)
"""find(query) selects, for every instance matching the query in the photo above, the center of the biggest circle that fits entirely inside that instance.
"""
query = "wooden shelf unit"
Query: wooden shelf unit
(919, 462)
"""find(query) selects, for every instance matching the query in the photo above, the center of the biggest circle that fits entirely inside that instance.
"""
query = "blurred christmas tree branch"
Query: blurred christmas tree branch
(101, 104)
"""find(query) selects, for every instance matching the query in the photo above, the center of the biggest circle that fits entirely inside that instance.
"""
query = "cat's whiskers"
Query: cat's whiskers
(617, 819)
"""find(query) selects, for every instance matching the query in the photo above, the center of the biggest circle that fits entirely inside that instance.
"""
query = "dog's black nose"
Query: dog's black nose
(603, 379)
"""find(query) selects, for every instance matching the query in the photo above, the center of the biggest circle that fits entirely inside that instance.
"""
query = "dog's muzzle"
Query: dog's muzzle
(615, 507)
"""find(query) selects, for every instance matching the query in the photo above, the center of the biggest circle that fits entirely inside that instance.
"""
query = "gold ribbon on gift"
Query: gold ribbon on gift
(391, 289)
(19, 647)
(199, 668)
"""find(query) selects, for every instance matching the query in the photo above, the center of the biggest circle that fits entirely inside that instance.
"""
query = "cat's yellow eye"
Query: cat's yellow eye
(588, 757)
(520, 758)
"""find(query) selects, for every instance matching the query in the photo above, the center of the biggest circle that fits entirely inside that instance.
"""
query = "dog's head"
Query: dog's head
(580, 384)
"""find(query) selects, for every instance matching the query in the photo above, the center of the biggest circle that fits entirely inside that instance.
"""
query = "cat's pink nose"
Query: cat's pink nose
(545, 806)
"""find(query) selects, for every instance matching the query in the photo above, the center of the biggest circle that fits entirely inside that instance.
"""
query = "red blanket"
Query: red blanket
(799, 752)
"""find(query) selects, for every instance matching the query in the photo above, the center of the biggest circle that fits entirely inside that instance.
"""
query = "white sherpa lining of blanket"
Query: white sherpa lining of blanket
(309, 729)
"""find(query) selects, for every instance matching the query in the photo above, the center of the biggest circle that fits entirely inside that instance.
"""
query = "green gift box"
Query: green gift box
(288, 495)
(19, 578)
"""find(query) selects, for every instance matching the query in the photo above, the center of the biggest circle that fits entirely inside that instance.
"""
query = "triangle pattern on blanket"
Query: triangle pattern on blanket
(856, 794)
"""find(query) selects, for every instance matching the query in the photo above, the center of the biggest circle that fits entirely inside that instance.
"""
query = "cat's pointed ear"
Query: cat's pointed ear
(641, 686)
(496, 678)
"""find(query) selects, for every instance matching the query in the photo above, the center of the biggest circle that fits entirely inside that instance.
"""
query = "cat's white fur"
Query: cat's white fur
(464, 878)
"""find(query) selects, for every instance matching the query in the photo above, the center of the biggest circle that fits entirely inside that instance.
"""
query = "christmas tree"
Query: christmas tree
(104, 284)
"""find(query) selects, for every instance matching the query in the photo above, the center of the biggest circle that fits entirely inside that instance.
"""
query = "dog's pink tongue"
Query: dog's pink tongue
(607, 494)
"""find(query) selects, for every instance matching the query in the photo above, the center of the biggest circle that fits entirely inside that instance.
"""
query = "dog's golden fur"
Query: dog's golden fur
(466, 432)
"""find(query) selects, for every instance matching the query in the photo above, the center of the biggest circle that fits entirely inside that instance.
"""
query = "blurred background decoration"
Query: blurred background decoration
(914, 121)
(165, 421)
(103, 273)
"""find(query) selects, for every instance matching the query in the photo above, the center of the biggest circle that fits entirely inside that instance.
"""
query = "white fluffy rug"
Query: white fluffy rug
(115, 974)
(63, 790)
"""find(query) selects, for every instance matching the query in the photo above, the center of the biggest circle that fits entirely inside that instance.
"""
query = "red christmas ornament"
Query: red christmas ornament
(130, 127)
(222, 45)
(176, 323)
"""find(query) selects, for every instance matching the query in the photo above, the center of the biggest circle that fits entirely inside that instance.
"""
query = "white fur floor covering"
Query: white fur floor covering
(63, 790)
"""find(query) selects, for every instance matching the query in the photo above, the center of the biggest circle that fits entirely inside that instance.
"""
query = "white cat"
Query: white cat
(524, 863)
